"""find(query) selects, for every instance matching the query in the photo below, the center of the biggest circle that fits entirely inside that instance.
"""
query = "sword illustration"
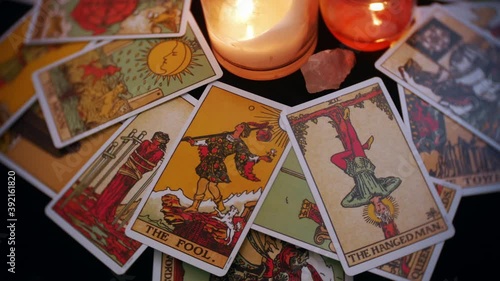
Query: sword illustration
(136, 195)
(107, 155)
(126, 139)
(292, 173)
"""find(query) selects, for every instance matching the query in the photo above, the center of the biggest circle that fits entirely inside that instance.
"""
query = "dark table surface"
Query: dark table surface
(44, 252)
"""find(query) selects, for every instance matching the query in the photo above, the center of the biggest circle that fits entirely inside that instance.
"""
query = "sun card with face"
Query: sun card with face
(420, 265)
(58, 21)
(18, 61)
(452, 66)
(92, 90)
(202, 204)
(290, 213)
(260, 258)
(27, 144)
(449, 151)
(485, 15)
(96, 205)
(366, 176)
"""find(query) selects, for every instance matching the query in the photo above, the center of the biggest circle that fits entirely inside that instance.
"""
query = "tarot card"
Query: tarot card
(58, 21)
(211, 187)
(453, 67)
(17, 63)
(92, 90)
(27, 148)
(290, 213)
(484, 15)
(448, 150)
(97, 203)
(420, 265)
(366, 176)
(260, 258)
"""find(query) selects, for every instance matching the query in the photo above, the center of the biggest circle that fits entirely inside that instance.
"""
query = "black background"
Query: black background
(44, 252)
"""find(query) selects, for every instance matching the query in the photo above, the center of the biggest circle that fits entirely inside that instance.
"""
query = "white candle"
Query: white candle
(260, 34)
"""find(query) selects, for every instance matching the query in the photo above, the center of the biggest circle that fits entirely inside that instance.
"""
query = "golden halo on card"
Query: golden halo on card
(370, 215)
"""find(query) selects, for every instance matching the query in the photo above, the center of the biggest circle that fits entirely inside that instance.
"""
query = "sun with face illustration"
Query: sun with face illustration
(170, 59)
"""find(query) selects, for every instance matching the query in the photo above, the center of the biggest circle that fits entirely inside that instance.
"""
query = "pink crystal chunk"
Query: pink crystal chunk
(327, 69)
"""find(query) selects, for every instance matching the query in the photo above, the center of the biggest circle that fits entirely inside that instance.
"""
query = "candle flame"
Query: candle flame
(244, 9)
(376, 20)
(250, 32)
(376, 7)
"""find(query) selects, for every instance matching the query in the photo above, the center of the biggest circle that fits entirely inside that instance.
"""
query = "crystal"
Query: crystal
(327, 69)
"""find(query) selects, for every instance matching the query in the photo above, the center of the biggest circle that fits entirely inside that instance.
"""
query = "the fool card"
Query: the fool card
(116, 80)
(290, 213)
(261, 257)
(453, 67)
(450, 151)
(58, 21)
(18, 61)
(368, 181)
(27, 148)
(202, 204)
(96, 205)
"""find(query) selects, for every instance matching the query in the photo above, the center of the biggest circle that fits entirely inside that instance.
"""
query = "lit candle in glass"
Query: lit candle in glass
(261, 39)
(367, 25)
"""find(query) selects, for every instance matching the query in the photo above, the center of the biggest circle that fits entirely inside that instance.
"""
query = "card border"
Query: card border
(59, 143)
(37, 7)
(178, 254)
(364, 266)
(70, 230)
(290, 239)
(21, 171)
(466, 191)
(14, 117)
(435, 8)
(431, 265)
(464, 5)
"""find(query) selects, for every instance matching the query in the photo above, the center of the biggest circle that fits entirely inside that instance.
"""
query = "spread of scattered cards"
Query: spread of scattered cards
(233, 184)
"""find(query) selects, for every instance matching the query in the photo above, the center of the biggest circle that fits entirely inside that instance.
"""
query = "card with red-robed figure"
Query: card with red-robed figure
(202, 204)
(58, 21)
(96, 205)
(368, 180)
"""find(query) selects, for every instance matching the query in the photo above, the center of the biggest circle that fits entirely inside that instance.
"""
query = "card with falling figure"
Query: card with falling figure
(58, 21)
(27, 143)
(97, 203)
(289, 211)
(452, 66)
(212, 185)
(366, 176)
(115, 80)
(450, 151)
(18, 61)
(261, 257)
